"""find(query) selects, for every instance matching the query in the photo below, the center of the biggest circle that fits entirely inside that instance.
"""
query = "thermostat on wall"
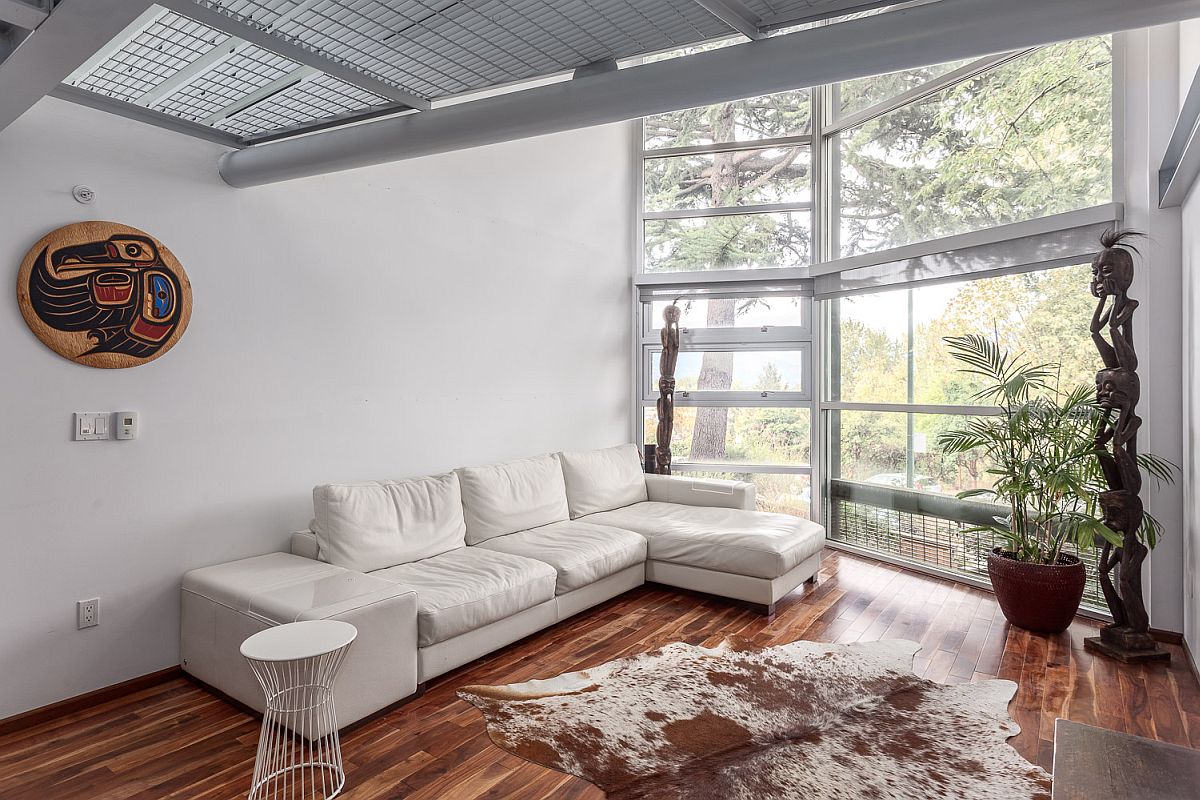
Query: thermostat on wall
(127, 424)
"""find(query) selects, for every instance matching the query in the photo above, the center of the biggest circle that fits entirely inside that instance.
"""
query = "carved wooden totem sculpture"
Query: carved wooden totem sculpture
(1118, 391)
(666, 389)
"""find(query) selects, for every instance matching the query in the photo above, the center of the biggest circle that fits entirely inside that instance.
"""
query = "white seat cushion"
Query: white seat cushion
(468, 588)
(753, 543)
(376, 524)
(601, 480)
(499, 499)
(581, 552)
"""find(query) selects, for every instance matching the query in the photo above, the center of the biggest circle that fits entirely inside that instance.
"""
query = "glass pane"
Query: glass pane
(742, 177)
(1025, 140)
(738, 312)
(779, 492)
(769, 117)
(868, 348)
(873, 448)
(877, 502)
(1044, 315)
(739, 241)
(857, 95)
(738, 371)
(736, 435)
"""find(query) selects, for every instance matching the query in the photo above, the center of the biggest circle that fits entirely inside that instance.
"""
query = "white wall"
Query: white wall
(381, 323)
(1151, 92)
(1189, 60)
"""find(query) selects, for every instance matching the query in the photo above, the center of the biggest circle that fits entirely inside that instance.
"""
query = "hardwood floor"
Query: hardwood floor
(176, 740)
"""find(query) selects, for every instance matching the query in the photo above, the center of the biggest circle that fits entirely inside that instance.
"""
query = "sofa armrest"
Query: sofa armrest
(700, 491)
(224, 604)
(304, 544)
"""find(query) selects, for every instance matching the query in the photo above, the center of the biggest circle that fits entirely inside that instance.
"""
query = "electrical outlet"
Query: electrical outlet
(88, 613)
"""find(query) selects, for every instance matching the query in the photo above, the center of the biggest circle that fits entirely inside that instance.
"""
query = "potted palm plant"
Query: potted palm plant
(1042, 450)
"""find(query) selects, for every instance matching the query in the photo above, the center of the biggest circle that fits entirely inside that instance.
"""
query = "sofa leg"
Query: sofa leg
(762, 608)
(812, 579)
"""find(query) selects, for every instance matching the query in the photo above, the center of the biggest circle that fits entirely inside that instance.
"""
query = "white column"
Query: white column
(1149, 95)
(1189, 60)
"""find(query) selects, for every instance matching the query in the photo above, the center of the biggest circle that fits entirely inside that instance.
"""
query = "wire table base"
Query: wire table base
(299, 751)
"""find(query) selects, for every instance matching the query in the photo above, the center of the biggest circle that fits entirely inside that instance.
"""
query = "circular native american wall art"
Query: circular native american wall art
(104, 295)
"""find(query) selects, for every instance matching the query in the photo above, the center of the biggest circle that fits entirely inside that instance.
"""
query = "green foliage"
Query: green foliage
(1046, 312)
(1029, 138)
(1041, 446)
(1024, 140)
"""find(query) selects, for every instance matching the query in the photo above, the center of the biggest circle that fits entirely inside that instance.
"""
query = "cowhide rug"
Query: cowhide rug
(800, 720)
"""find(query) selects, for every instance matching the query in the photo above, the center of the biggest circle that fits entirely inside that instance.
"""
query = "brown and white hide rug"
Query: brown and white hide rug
(800, 720)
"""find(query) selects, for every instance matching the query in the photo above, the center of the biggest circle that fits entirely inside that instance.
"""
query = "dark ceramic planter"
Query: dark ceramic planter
(1037, 597)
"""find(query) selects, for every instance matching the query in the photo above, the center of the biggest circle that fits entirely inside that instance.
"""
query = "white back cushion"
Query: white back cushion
(378, 524)
(601, 480)
(514, 496)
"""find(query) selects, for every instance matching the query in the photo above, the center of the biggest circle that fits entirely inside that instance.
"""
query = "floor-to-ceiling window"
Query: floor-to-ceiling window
(729, 188)
(822, 242)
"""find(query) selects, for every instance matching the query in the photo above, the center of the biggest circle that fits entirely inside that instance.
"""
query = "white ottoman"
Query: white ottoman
(224, 604)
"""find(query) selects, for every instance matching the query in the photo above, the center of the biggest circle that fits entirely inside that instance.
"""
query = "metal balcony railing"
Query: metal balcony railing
(929, 529)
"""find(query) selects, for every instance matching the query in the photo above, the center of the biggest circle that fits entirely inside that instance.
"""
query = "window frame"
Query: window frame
(829, 455)
(824, 244)
(732, 397)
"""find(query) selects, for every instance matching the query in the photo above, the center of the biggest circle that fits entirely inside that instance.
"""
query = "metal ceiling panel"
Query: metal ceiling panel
(165, 46)
(779, 13)
(241, 74)
(222, 70)
(435, 48)
(167, 65)
(311, 100)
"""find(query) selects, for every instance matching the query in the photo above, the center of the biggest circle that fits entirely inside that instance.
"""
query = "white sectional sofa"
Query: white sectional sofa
(438, 571)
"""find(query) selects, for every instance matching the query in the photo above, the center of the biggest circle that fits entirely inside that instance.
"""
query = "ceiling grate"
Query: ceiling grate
(311, 100)
(435, 48)
(229, 78)
(168, 44)
(777, 13)
(244, 72)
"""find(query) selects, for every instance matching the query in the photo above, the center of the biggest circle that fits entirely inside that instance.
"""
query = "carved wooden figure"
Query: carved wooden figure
(666, 389)
(1118, 391)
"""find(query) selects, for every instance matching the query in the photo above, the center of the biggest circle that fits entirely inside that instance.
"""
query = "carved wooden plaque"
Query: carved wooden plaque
(104, 295)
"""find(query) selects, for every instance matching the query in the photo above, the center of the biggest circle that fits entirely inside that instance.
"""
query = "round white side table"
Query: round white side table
(299, 752)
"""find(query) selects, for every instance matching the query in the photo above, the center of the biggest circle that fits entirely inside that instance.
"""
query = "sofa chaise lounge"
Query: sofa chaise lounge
(438, 571)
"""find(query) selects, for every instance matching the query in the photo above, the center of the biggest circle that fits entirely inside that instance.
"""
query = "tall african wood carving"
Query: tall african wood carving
(666, 389)
(1118, 391)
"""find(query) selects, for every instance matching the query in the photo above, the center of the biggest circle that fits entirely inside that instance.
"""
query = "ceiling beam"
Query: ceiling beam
(210, 60)
(734, 14)
(116, 44)
(27, 14)
(149, 116)
(10, 39)
(838, 8)
(74, 31)
(260, 94)
(337, 120)
(299, 53)
(191, 72)
(927, 34)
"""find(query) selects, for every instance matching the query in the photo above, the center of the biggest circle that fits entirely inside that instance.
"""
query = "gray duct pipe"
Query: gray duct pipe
(933, 33)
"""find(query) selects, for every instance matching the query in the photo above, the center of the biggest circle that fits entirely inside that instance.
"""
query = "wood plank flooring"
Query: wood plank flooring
(176, 740)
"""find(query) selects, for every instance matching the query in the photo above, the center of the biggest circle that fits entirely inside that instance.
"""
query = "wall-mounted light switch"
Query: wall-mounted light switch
(127, 424)
(91, 426)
